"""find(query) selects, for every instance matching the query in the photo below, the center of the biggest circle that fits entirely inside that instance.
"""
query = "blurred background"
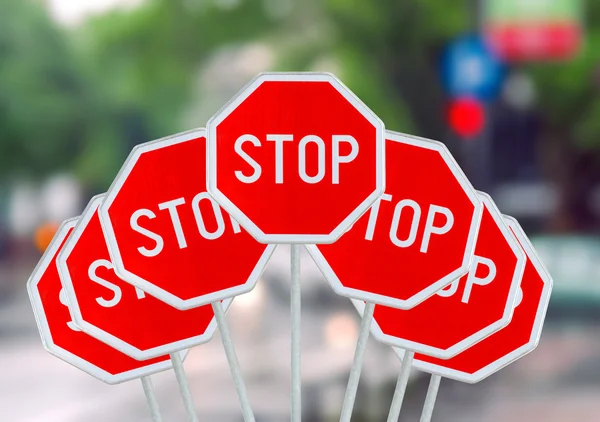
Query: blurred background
(511, 86)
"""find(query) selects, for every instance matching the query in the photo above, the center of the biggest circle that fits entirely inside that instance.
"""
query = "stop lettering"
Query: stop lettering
(168, 237)
(416, 239)
(63, 339)
(115, 312)
(470, 309)
(512, 342)
(296, 158)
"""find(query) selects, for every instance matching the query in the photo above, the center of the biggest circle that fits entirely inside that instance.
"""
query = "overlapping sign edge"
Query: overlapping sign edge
(452, 351)
(104, 335)
(113, 246)
(415, 300)
(522, 351)
(44, 328)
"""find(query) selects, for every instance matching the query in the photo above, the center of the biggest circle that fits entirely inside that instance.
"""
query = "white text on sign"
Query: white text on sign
(117, 293)
(62, 296)
(430, 228)
(303, 151)
(105, 303)
(473, 280)
(172, 208)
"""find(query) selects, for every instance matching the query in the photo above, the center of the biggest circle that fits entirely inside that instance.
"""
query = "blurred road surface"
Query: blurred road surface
(557, 383)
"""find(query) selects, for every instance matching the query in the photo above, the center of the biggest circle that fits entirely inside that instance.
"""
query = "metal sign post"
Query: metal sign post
(292, 170)
(418, 223)
(66, 341)
(432, 392)
(151, 399)
(184, 388)
(401, 385)
(499, 349)
(160, 192)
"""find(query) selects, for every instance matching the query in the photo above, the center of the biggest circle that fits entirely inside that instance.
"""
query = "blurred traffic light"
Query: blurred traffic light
(466, 117)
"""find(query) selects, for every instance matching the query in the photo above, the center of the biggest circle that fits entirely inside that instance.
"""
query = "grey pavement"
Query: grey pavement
(559, 382)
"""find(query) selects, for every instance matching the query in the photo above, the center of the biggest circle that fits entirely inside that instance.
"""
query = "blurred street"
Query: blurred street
(511, 87)
(556, 383)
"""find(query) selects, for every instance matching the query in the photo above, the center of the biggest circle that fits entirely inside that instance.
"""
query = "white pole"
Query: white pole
(432, 392)
(184, 388)
(401, 387)
(151, 398)
(357, 365)
(234, 364)
(295, 311)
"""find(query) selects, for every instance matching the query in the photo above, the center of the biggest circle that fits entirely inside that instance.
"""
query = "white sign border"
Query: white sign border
(475, 338)
(415, 300)
(97, 332)
(113, 244)
(46, 334)
(536, 331)
(238, 214)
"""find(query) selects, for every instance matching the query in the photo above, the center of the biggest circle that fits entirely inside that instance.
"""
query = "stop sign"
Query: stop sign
(113, 311)
(512, 342)
(296, 158)
(168, 237)
(62, 338)
(469, 309)
(416, 239)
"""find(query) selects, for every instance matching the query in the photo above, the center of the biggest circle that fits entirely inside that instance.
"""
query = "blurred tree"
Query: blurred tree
(398, 44)
(42, 107)
(127, 77)
(141, 65)
(569, 103)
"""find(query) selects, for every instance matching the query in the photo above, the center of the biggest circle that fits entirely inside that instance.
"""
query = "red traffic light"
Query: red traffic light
(466, 117)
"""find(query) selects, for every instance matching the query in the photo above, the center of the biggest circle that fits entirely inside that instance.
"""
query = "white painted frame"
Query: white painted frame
(101, 334)
(337, 284)
(113, 244)
(475, 338)
(238, 214)
(46, 332)
(536, 331)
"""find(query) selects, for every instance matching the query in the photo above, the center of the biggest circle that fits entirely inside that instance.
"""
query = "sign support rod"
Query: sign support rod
(234, 364)
(184, 388)
(401, 387)
(151, 398)
(432, 392)
(354, 379)
(296, 311)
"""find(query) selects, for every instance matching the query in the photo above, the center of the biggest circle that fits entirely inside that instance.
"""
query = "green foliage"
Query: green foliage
(83, 98)
(568, 92)
(41, 106)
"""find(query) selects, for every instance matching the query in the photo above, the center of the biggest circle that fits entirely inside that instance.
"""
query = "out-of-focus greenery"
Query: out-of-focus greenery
(42, 99)
(82, 98)
(568, 92)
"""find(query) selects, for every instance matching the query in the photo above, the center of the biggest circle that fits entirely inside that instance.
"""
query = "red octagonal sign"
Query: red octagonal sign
(115, 312)
(418, 238)
(62, 338)
(468, 310)
(168, 237)
(296, 158)
(514, 341)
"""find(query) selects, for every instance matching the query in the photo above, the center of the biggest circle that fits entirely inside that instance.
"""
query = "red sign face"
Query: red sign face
(168, 237)
(63, 339)
(537, 41)
(296, 158)
(514, 341)
(418, 238)
(117, 313)
(469, 309)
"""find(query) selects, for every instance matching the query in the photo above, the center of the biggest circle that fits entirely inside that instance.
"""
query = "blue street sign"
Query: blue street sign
(470, 68)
